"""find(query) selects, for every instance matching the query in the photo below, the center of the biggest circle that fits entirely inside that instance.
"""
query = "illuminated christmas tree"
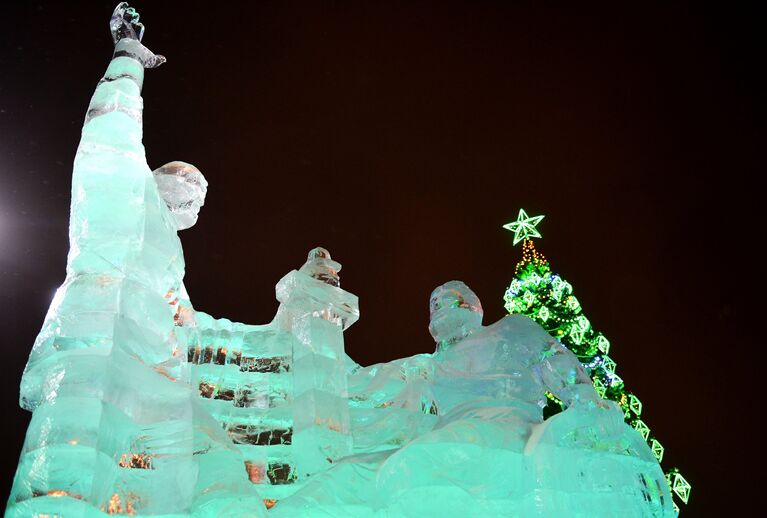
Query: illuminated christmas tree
(548, 299)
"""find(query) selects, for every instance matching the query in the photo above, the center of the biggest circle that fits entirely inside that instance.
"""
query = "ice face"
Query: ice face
(455, 312)
(183, 187)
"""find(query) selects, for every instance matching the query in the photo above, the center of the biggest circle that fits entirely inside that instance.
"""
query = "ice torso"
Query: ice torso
(493, 363)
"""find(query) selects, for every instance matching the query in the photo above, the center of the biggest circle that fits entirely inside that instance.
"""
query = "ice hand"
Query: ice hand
(127, 33)
(125, 23)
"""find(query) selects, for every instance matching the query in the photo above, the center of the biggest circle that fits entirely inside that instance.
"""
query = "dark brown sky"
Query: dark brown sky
(402, 136)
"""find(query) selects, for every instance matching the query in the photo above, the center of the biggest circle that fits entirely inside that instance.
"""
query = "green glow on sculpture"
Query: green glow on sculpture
(635, 405)
(524, 227)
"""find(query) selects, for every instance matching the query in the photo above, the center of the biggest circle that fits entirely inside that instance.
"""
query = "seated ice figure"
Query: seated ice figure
(489, 385)
(488, 452)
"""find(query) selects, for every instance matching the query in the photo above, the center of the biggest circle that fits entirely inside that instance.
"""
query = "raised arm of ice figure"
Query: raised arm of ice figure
(129, 59)
(110, 176)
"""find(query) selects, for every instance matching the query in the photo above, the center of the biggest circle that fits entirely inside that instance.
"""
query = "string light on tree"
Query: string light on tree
(548, 299)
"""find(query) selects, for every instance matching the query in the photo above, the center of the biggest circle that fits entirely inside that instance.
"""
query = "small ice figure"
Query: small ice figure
(183, 187)
(320, 266)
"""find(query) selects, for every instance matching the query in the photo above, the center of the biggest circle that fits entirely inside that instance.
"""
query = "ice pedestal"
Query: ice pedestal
(280, 389)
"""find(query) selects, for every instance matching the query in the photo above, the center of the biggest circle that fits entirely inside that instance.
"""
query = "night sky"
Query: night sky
(402, 136)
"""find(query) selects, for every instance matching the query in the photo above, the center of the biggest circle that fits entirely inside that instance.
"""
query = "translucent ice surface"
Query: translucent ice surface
(460, 433)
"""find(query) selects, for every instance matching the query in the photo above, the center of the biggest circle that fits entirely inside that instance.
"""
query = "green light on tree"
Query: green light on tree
(642, 428)
(678, 485)
(524, 227)
(548, 299)
(657, 449)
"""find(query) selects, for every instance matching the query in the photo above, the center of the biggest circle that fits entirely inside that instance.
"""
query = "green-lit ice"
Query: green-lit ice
(144, 406)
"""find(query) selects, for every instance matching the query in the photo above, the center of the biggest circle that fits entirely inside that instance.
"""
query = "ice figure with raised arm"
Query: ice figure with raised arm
(144, 406)
(141, 404)
(116, 427)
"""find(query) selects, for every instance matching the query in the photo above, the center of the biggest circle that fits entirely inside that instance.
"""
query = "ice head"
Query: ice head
(183, 187)
(319, 265)
(455, 312)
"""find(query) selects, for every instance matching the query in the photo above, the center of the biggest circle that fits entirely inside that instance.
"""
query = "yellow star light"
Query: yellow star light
(524, 227)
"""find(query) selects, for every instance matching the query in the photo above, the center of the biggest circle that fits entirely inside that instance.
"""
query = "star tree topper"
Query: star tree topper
(524, 227)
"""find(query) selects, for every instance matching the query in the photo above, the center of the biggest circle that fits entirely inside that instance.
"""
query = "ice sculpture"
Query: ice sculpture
(144, 406)
(280, 390)
(460, 432)
(114, 428)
